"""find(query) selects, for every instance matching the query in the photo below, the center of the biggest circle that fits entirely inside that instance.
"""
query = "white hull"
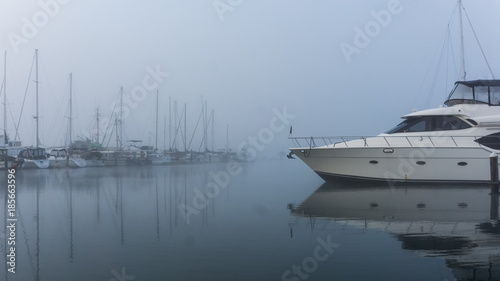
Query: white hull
(72, 162)
(33, 164)
(451, 143)
(77, 162)
(403, 164)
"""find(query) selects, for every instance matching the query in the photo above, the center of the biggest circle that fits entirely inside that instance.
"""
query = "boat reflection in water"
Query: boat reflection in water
(450, 222)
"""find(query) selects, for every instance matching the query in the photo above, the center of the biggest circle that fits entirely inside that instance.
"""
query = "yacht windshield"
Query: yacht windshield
(475, 92)
(429, 124)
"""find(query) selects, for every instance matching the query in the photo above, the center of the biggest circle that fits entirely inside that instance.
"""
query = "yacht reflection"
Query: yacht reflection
(452, 222)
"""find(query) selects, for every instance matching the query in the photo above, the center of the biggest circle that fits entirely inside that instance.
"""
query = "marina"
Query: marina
(89, 150)
(242, 140)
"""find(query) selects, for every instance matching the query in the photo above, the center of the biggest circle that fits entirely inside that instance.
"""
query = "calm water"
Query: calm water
(266, 220)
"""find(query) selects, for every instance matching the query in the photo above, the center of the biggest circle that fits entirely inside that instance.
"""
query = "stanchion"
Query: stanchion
(494, 186)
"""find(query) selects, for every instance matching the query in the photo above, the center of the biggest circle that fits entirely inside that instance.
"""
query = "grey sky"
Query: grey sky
(245, 61)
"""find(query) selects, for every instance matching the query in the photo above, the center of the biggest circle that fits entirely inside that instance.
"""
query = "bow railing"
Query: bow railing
(390, 141)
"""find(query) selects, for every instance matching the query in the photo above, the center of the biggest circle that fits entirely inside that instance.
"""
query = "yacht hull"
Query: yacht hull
(403, 164)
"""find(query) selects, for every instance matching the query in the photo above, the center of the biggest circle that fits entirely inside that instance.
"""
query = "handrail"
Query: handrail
(388, 141)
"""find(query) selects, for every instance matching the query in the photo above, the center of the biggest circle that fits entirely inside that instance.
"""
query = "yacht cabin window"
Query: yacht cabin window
(481, 93)
(429, 124)
(495, 95)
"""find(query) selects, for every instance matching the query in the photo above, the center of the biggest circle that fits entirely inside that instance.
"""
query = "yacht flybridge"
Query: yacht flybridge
(449, 143)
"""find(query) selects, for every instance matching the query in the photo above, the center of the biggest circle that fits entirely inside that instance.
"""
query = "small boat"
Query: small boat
(135, 154)
(33, 157)
(59, 158)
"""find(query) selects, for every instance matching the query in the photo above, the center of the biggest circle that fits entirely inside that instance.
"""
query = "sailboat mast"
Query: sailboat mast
(36, 90)
(205, 125)
(164, 133)
(97, 122)
(121, 117)
(70, 109)
(5, 99)
(156, 135)
(227, 139)
(213, 131)
(116, 131)
(176, 129)
(185, 126)
(462, 50)
(170, 123)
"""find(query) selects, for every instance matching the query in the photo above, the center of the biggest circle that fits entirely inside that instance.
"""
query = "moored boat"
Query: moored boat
(450, 143)
(33, 157)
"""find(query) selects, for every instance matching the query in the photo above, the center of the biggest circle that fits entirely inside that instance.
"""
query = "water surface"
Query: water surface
(266, 220)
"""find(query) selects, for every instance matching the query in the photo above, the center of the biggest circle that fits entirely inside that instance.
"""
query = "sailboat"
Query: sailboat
(446, 144)
(5, 159)
(10, 148)
(74, 159)
(61, 157)
(34, 157)
(155, 157)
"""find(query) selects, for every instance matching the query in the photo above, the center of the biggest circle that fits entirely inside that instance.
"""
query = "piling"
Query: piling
(494, 186)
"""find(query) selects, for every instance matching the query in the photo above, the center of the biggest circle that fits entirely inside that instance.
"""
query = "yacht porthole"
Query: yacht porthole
(388, 150)
(421, 205)
(462, 205)
(420, 163)
(462, 163)
(373, 162)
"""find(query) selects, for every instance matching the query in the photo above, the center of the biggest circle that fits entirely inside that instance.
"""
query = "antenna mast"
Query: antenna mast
(5, 99)
(36, 87)
(121, 118)
(462, 51)
(156, 135)
(70, 109)
(97, 122)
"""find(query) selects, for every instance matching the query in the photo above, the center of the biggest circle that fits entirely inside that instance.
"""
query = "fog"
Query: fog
(246, 59)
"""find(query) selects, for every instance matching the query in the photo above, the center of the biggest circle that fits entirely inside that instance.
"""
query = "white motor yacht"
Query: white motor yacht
(449, 143)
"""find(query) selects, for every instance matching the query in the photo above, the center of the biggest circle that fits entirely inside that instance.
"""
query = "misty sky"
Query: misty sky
(245, 58)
